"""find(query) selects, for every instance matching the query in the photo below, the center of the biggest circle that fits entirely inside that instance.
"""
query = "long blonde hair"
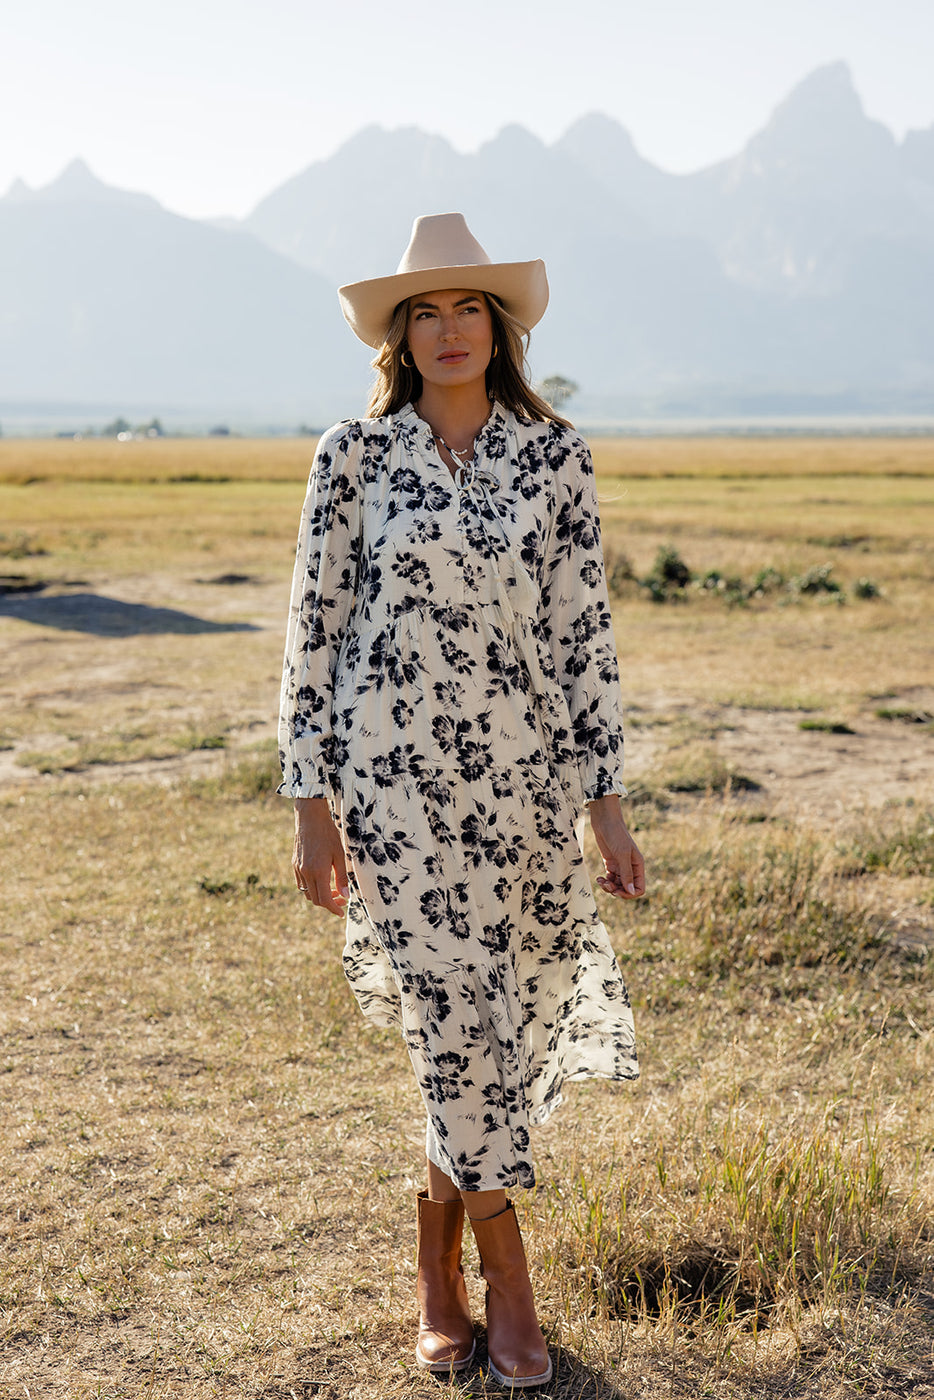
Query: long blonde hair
(506, 376)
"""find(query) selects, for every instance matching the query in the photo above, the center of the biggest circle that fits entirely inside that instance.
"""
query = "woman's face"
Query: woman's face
(450, 336)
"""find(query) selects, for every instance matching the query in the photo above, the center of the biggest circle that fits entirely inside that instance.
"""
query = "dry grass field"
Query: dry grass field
(208, 1159)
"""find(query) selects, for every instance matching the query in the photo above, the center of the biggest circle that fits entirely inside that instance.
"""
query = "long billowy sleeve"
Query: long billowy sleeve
(577, 622)
(323, 589)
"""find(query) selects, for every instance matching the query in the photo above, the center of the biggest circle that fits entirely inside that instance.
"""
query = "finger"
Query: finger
(619, 873)
(638, 872)
(613, 884)
(340, 875)
(310, 886)
(630, 872)
(338, 897)
(320, 893)
(626, 875)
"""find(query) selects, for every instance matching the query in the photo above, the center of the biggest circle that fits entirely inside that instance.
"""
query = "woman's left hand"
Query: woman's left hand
(625, 868)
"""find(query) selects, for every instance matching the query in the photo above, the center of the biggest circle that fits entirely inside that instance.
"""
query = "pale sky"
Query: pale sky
(209, 104)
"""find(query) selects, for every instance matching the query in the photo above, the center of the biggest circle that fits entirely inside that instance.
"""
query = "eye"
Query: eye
(422, 315)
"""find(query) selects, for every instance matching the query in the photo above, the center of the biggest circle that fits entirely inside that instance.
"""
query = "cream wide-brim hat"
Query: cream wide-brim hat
(443, 254)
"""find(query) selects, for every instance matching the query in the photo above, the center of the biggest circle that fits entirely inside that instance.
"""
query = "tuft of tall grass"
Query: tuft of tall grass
(760, 903)
(697, 767)
(900, 846)
(752, 1226)
(252, 776)
(22, 545)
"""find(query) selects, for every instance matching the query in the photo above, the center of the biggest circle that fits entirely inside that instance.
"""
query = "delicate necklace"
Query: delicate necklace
(465, 457)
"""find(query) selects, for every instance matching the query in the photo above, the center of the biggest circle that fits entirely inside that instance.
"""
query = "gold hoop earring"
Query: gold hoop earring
(408, 366)
(495, 352)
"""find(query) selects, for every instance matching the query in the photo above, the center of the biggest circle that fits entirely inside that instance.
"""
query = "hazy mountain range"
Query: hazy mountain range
(797, 275)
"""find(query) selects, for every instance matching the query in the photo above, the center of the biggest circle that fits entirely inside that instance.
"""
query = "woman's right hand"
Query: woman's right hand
(318, 855)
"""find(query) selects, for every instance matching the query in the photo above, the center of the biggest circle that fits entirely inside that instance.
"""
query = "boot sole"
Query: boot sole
(521, 1382)
(444, 1368)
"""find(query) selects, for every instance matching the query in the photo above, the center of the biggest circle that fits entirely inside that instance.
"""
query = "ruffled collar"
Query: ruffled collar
(490, 442)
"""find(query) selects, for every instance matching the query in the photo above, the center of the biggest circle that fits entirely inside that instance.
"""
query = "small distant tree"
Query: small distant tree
(114, 429)
(151, 429)
(556, 390)
(221, 430)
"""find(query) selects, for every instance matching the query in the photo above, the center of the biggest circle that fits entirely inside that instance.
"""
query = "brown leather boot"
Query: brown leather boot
(445, 1330)
(517, 1351)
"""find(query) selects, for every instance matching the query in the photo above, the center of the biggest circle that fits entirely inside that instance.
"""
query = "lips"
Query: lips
(452, 357)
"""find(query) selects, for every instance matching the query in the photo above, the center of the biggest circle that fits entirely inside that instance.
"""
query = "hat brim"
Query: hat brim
(521, 287)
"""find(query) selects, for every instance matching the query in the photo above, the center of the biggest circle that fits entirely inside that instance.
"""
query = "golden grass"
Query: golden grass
(756, 457)
(35, 460)
(161, 459)
(208, 1158)
(206, 1193)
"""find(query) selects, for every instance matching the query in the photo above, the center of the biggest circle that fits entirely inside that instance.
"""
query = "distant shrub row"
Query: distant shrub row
(671, 580)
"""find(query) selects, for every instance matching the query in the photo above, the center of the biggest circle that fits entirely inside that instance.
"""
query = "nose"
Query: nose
(449, 329)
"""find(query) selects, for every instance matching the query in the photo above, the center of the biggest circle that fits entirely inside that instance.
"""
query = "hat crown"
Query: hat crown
(443, 253)
(441, 240)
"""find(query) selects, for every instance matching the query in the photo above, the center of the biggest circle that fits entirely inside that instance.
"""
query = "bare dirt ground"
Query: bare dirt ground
(807, 775)
(813, 775)
(96, 657)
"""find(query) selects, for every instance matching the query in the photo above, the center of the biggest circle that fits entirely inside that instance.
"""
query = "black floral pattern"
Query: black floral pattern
(451, 686)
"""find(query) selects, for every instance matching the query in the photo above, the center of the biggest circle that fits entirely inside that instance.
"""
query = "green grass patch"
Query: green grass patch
(819, 725)
(904, 715)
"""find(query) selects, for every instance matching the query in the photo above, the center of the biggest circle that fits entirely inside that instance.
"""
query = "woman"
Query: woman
(450, 702)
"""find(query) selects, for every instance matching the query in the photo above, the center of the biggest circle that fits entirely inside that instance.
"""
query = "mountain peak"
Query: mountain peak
(604, 147)
(18, 191)
(820, 125)
(825, 102)
(77, 175)
(387, 142)
(831, 82)
(514, 140)
(77, 183)
(597, 126)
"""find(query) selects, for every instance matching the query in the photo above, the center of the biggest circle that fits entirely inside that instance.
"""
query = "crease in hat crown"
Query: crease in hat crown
(443, 254)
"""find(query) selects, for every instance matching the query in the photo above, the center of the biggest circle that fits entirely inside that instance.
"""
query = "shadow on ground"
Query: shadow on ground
(108, 617)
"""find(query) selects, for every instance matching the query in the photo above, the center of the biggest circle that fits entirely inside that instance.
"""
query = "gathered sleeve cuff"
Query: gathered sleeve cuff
(578, 624)
(324, 586)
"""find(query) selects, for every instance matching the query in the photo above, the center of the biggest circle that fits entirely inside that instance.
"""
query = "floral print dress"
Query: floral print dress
(450, 685)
